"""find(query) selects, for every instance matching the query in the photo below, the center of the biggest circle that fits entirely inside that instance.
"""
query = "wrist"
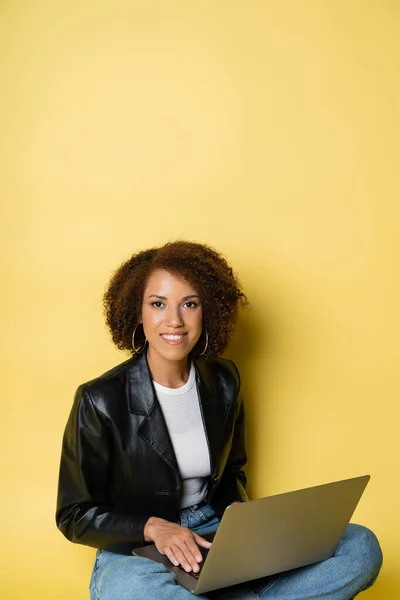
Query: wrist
(149, 529)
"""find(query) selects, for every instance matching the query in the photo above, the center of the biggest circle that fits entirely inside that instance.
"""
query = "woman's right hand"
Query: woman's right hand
(178, 543)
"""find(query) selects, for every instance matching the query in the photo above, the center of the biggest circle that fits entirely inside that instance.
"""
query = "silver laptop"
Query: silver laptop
(271, 535)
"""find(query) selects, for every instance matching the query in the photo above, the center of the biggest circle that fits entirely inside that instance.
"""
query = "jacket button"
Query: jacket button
(215, 480)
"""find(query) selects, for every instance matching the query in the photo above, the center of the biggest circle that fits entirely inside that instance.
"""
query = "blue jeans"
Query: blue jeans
(353, 568)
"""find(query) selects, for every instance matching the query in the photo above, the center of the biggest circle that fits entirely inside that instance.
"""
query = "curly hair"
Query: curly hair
(200, 265)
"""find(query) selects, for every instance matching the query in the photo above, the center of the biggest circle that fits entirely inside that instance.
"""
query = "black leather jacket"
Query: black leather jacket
(118, 466)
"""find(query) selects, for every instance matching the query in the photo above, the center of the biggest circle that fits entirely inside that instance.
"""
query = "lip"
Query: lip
(174, 342)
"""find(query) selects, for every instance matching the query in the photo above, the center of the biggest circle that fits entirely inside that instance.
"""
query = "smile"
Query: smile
(173, 339)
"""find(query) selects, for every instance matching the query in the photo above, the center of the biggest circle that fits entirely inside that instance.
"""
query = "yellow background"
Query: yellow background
(267, 129)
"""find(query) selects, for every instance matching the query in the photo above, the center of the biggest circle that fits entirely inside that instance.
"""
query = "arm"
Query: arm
(84, 514)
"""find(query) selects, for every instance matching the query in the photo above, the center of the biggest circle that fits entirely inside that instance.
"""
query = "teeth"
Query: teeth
(173, 337)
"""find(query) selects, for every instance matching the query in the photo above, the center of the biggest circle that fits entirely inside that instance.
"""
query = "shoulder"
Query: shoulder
(108, 385)
(225, 371)
(113, 376)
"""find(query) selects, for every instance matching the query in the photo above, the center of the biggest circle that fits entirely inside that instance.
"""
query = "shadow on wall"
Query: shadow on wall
(248, 343)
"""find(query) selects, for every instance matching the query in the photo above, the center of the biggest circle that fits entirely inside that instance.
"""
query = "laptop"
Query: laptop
(271, 535)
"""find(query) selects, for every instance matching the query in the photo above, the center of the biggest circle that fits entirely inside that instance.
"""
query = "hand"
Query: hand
(178, 543)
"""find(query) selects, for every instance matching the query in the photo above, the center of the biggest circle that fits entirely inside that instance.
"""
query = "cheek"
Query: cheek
(151, 319)
(196, 320)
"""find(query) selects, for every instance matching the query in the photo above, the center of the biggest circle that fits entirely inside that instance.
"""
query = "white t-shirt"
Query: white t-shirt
(182, 414)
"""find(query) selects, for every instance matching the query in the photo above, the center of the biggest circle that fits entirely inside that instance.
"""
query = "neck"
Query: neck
(170, 373)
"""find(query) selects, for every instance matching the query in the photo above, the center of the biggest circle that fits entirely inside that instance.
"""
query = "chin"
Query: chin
(173, 353)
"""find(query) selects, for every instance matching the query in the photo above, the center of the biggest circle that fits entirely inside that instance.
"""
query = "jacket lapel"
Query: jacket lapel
(153, 430)
(143, 401)
(214, 410)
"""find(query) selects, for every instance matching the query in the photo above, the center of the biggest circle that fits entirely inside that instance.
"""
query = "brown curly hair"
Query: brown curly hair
(200, 265)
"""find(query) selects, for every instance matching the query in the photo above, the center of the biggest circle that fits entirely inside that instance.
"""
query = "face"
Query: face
(171, 314)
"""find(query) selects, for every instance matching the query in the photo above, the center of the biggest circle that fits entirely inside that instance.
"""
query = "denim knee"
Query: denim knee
(123, 577)
(365, 551)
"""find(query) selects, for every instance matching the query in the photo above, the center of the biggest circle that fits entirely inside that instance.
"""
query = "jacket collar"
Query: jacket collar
(142, 400)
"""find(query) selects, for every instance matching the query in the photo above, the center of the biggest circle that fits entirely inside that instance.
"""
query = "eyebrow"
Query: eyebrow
(164, 297)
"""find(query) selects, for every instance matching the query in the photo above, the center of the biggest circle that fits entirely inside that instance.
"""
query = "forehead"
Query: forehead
(166, 282)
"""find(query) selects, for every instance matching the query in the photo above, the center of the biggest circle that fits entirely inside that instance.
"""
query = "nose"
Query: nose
(174, 318)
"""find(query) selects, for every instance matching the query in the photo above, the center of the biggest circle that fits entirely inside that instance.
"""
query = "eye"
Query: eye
(193, 303)
(156, 302)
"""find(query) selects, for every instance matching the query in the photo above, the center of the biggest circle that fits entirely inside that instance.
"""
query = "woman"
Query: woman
(153, 450)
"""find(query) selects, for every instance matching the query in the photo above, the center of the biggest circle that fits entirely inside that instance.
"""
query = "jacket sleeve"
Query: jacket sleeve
(232, 487)
(83, 513)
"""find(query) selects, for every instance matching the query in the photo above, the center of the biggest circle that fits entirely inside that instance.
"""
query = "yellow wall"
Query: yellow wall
(267, 129)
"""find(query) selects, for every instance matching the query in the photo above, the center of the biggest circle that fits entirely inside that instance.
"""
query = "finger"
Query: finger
(193, 548)
(170, 554)
(191, 555)
(201, 541)
(180, 557)
(185, 558)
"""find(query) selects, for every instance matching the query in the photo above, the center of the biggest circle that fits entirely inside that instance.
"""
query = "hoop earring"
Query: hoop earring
(137, 350)
(206, 345)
